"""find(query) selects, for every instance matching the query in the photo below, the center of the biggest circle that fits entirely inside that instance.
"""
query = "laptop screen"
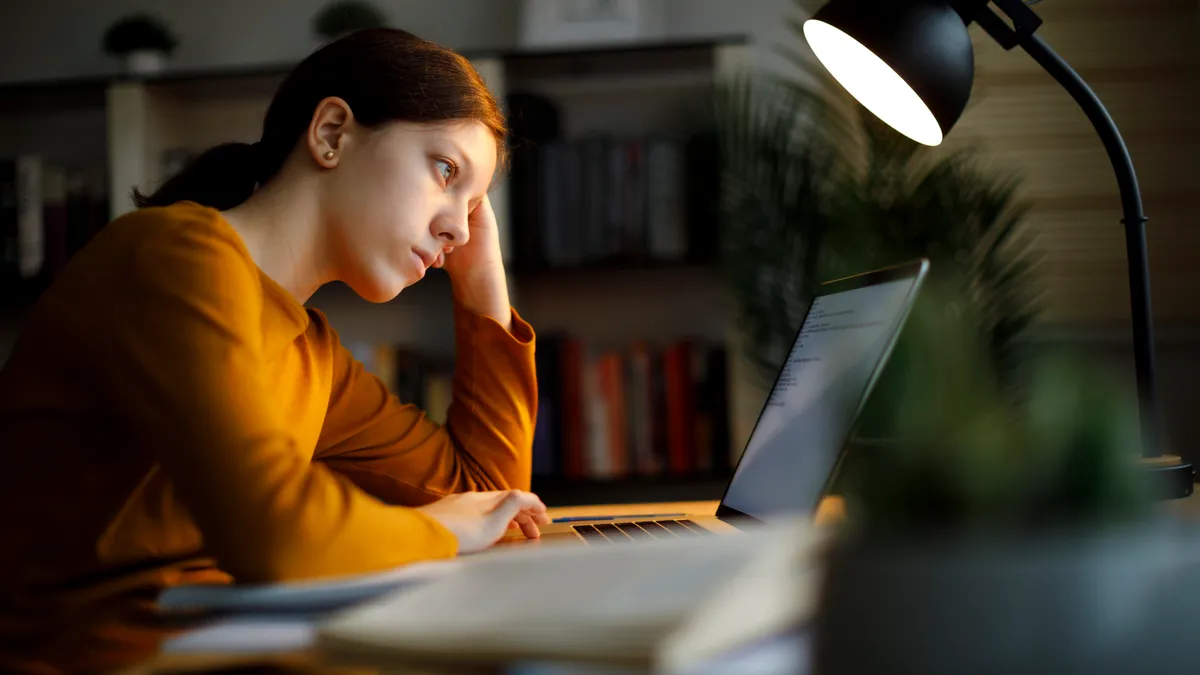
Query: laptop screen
(809, 412)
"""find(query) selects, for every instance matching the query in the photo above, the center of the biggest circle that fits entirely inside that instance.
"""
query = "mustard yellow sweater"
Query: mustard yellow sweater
(171, 415)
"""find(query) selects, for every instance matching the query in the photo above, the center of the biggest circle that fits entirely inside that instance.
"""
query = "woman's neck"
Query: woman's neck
(280, 226)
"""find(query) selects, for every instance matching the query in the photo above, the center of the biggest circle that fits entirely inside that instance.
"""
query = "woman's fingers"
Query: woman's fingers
(512, 503)
(518, 500)
(528, 526)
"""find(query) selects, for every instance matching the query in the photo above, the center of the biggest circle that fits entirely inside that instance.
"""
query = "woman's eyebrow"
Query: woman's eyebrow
(465, 159)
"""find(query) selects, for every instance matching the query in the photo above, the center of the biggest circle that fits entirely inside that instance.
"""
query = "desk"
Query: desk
(309, 664)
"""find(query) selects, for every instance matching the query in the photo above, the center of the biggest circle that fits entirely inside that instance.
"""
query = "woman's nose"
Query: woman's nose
(453, 231)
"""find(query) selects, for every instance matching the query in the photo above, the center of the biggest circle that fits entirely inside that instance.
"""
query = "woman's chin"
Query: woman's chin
(377, 291)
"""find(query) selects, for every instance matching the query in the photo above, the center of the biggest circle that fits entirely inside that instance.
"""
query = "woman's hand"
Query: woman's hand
(476, 268)
(479, 519)
(482, 249)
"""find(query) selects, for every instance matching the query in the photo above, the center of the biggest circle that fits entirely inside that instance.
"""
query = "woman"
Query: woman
(173, 414)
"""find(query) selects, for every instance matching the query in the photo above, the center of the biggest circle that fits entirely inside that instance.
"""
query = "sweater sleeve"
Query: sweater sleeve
(395, 452)
(184, 359)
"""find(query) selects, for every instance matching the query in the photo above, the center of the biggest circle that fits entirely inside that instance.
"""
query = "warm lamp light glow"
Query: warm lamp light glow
(876, 86)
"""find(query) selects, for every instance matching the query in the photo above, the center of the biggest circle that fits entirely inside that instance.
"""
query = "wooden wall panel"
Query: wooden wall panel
(1083, 266)
(1128, 39)
(1148, 107)
(1143, 60)
(1077, 165)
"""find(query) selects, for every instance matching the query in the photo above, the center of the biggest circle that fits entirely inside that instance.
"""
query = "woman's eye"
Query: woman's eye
(445, 170)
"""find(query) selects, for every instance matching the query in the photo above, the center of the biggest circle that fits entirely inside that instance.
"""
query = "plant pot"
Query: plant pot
(145, 62)
(1073, 602)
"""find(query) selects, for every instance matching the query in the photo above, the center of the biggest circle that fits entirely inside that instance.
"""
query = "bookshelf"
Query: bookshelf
(125, 132)
(54, 130)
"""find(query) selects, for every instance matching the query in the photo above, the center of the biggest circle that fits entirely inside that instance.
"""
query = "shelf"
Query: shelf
(616, 58)
(26, 98)
(560, 492)
(595, 59)
(590, 86)
(205, 90)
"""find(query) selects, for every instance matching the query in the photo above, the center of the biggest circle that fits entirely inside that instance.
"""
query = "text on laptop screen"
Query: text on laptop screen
(809, 412)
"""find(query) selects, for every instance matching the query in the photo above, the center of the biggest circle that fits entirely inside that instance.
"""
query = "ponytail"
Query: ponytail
(221, 178)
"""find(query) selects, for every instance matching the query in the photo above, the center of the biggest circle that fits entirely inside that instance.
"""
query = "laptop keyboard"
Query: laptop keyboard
(609, 533)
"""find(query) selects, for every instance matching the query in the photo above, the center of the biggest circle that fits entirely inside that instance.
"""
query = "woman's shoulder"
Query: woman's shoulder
(163, 247)
(180, 226)
(181, 218)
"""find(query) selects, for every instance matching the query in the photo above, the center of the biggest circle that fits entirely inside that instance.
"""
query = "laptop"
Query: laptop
(798, 443)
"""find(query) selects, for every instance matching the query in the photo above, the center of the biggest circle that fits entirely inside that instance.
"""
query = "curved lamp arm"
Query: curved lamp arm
(1021, 34)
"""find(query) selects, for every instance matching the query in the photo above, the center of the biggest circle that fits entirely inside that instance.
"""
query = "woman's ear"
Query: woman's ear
(327, 131)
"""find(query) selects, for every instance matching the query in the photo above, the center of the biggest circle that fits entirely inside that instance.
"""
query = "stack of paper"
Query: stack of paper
(247, 634)
(275, 618)
(318, 595)
(663, 604)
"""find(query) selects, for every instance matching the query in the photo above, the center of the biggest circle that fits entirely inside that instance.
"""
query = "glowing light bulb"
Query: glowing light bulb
(876, 86)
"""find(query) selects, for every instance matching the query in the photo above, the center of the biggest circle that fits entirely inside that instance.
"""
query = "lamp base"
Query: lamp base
(1170, 476)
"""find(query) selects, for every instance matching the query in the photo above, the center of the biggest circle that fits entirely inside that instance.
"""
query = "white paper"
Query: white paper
(300, 596)
(245, 635)
(611, 603)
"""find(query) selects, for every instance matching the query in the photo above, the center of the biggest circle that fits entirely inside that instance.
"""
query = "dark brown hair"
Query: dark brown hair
(383, 74)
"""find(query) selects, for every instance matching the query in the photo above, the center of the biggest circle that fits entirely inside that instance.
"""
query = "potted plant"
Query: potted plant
(344, 17)
(997, 533)
(142, 41)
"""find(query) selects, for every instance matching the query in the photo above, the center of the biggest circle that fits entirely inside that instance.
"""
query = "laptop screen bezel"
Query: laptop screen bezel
(915, 271)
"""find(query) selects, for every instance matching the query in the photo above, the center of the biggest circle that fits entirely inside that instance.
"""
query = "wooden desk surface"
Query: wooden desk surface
(309, 664)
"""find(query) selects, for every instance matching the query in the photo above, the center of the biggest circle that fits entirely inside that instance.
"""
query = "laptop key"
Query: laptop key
(633, 531)
(613, 532)
(655, 530)
(677, 528)
(694, 527)
(590, 534)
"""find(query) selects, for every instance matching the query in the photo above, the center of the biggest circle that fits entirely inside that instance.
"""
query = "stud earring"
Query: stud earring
(328, 154)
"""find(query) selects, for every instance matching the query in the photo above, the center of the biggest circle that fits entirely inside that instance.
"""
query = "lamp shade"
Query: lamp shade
(910, 62)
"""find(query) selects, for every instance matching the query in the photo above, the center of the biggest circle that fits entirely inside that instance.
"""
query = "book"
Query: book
(598, 199)
(10, 255)
(31, 249)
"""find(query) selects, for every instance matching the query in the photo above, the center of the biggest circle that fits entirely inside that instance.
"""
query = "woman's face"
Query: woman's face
(399, 198)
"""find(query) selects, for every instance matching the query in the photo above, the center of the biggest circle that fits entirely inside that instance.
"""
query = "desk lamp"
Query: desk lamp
(911, 63)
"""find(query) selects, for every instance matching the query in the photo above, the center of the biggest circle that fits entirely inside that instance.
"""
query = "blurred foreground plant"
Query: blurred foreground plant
(1020, 526)
(966, 456)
